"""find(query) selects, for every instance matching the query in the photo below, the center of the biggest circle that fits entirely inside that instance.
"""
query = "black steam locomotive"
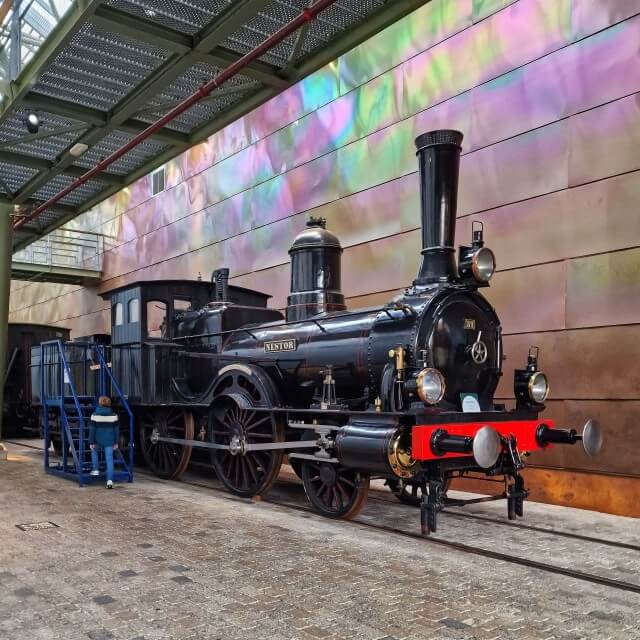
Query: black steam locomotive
(403, 392)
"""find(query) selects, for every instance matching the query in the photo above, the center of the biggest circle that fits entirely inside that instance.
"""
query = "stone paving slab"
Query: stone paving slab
(166, 560)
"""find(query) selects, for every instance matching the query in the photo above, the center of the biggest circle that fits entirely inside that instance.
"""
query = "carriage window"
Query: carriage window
(118, 315)
(134, 310)
(157, 319)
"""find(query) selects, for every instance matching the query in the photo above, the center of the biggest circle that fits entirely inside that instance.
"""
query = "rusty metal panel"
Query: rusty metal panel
(595, 133)
(593, 218)
(530, 299)
(582, 364)
(606, 493)
(604, 290)
(620, 453)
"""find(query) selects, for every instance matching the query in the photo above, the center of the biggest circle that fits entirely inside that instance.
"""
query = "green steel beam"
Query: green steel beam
(184, 45)
(228, 22)
(62, 34)
(47, 273)
(95, 117)
(139, 29)
(11, 157)
(41, 135)
(354, 36)
(5, 287)
(257, 70)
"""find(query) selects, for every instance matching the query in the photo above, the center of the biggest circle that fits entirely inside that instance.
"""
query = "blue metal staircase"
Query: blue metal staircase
(72, 377)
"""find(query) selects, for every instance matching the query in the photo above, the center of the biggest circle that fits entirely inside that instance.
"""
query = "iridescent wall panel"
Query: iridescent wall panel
(604, 289)
(594, 133)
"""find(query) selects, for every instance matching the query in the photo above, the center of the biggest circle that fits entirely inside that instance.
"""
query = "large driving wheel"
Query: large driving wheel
(334, 491)
(166, 460)
(234, 422)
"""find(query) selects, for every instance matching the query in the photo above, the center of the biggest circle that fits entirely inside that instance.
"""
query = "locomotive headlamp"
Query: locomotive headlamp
(476, 262)
(531, 385)
(538, 387)
(430, 386)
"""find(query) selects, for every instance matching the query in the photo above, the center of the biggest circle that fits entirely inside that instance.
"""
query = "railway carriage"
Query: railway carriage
(20, 415)
(404, 392)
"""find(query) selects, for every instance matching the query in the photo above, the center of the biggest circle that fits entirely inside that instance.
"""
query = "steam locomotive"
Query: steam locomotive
(403, 392)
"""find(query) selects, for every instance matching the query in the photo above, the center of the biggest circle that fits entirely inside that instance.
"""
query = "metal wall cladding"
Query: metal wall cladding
(603, 289)
(589, 219)
(530, 299)
(582, 364)
(618, 419)
(546, 93)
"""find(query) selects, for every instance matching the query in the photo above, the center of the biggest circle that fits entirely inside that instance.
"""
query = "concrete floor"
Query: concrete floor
(169, 560)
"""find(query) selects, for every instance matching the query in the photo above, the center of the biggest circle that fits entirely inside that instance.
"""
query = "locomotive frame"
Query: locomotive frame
(404, 391)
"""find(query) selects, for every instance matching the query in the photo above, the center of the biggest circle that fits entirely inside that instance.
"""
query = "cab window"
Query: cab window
(134, 310)
(118, 314)
(157, 319)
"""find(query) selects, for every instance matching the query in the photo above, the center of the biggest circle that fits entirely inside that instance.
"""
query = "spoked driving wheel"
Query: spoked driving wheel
(166, 459)
(334, 491)
(234, 422)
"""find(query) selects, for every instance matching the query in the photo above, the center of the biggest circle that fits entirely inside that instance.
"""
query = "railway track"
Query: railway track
(458, 546)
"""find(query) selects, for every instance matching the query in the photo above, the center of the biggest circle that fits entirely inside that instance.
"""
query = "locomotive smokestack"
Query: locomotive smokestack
(439, 162)
(220, 278)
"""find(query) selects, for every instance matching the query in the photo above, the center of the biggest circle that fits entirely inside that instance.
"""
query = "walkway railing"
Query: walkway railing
(65, 248)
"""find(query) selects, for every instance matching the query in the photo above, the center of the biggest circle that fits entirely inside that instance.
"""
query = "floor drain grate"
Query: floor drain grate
(36, 526)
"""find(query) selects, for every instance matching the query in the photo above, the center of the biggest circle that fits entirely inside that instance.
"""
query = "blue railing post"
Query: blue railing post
(45, 410)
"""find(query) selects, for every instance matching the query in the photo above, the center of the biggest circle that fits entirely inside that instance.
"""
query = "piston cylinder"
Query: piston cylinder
(379, 448)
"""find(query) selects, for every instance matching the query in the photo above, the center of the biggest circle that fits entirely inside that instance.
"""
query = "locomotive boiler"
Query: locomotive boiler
(404, 392)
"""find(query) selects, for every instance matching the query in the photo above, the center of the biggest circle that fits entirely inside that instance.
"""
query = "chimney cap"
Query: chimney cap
(439, 136)
(315, 236)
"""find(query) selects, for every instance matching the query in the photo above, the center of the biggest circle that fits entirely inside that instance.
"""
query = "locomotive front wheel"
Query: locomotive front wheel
(334, 491)
(165, 459)
(410, 493)
(234, 422)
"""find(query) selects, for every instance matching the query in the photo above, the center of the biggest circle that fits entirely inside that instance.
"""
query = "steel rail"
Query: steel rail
(458, 546)
(307, 15)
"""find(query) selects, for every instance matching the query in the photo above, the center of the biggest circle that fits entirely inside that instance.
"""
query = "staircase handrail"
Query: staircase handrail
(76, 401)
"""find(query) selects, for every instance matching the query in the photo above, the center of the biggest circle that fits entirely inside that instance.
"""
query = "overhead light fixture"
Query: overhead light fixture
(78, 149)
(33, 122)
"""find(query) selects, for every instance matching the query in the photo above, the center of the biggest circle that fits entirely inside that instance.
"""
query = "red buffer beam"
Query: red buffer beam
(308, 14)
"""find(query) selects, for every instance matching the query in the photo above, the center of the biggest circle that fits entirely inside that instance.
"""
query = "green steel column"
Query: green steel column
(5, 284)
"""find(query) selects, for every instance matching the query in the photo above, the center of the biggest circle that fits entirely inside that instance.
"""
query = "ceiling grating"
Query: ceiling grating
(12, 177)
(98, 68)
(184, 16)
(129, 162)
(109, 68)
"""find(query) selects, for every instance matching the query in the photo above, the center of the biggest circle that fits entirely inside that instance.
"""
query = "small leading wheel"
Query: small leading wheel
(166, 459)
(410, 493)
(334, 491)
(234, 422)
